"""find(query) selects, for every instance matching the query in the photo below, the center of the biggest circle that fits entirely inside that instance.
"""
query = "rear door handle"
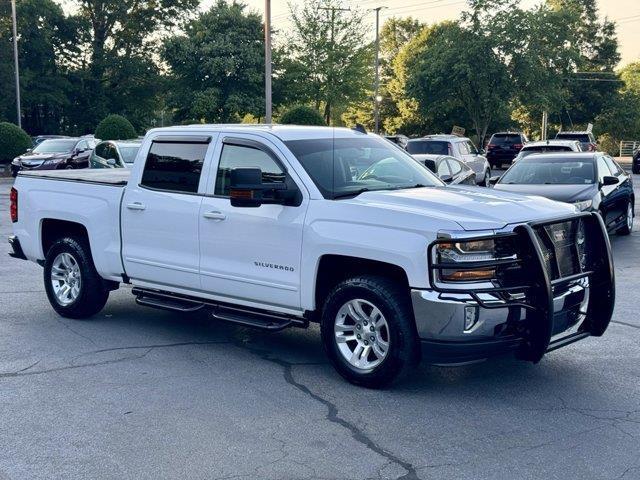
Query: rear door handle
(135, 206)
(214, 215)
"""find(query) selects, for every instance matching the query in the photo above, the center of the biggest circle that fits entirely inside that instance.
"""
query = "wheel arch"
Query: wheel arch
(52, 229)
(334, 268)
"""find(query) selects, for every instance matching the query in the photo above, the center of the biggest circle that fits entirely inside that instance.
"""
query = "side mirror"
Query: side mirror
(111, 162)
(29, 150)
(482, 151)
(247, 190)
(446, 178)
(493, 180)
(609, 180)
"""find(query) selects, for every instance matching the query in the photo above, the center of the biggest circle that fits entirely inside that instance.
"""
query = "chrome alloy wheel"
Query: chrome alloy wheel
(65, 279)
(362, 334)
(630, 216)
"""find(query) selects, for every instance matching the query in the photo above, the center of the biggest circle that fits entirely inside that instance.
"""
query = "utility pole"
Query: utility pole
(333, 11)
(15, 62)
(267, 61)
(376, 101)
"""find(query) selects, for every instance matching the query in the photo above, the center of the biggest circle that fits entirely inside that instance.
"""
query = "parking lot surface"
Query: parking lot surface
(143, 393)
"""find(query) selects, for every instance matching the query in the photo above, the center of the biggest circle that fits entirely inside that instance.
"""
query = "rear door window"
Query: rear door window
(443, 169)
(175, 163)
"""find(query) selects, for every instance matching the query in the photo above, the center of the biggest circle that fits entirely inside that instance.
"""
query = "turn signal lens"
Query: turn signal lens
(468, 275)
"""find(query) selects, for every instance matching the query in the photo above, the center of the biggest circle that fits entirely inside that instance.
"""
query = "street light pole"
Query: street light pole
(376, 102)
(15, 62)
(267, 61)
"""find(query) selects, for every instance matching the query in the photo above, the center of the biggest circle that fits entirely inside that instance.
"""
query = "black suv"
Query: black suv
(55, 153)
(504, 147)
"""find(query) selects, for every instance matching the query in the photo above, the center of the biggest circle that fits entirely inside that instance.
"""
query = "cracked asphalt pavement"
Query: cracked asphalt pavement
(142, 393)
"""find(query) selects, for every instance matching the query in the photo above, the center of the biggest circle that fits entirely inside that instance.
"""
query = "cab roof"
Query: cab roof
(283, 132)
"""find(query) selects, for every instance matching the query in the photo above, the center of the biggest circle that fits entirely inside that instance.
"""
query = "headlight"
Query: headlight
(15, 161)
(584, 205)
(473, 251)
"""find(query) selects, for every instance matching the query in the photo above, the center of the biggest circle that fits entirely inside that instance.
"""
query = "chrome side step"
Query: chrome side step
(244, 316)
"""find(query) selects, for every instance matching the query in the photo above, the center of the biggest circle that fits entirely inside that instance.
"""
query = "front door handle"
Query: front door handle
(135, 206)
(214, 215)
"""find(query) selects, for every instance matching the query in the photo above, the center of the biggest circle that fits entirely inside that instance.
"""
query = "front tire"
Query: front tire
(73, 286)
(627, 228)
(368, 331)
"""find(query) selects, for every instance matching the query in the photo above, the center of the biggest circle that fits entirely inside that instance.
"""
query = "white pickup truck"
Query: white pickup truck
(277, 226)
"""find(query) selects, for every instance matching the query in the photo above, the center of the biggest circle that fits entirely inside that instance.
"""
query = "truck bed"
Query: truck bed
(106, 176)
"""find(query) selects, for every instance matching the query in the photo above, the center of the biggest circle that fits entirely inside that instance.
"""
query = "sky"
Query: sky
(625, 12)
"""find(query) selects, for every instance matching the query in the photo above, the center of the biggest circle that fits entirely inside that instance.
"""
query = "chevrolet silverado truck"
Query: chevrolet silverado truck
(282, 226)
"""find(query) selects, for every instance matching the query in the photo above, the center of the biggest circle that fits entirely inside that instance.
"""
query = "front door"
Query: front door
(251, 254)
(160, 215)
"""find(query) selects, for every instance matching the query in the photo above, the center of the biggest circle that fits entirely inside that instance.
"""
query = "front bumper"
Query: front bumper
(457, 326)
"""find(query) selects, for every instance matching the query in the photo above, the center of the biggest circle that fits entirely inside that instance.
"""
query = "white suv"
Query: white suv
(459, 147)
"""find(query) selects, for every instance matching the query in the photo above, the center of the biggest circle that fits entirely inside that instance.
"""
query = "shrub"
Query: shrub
(608, 144)
(13, 141)
(302, 115)
(115, 127)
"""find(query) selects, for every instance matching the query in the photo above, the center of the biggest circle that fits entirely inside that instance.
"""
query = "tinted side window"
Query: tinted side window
(603, 168)
(100, 150)
(443, 168)
(455, 166)
(174, 166)
(613, 166)
(236, 156)
(82, 145)
(472, 148)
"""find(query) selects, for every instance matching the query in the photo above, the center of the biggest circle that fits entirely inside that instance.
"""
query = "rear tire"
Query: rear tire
(627, 228)
(391, 332)
(73, 286)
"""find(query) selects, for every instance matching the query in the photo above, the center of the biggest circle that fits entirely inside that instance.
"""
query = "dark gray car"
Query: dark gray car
(590, 181)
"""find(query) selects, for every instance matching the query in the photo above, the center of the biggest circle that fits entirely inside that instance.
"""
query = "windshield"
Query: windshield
(55, 146)
(348, 166)
(508, 139)
(434, 147)
(129, 152)
(550, 171)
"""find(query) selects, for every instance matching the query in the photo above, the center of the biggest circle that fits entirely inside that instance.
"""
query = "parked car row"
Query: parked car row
(56, 152)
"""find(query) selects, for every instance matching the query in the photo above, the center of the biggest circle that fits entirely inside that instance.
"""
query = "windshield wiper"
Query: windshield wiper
(355, 193)
(417, 185)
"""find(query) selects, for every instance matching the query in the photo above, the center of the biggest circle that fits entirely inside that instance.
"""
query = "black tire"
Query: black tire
(635, 167)
(93, 292)
(626, 229)
(395, 304)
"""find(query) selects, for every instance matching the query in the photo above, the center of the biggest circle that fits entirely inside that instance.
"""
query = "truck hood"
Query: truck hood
(473, 208)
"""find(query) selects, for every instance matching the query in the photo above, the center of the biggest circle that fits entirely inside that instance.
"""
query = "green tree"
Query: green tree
(217, 66)
(116, 71)
(115, 127)
(13, 141)
(47, 42)
(457, 74)
(302, 115)
(396, 32)
(630, 75)
(596, 41)
(329, 50)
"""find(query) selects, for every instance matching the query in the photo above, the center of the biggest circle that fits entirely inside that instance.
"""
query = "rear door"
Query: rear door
(160, 215)
(251, 254)
(470, 156)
